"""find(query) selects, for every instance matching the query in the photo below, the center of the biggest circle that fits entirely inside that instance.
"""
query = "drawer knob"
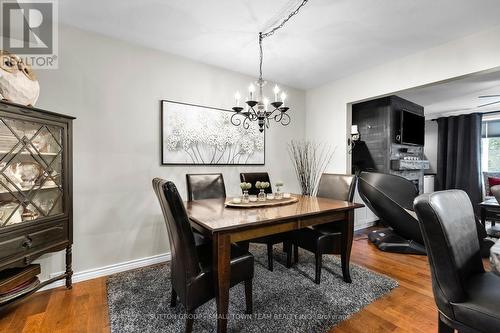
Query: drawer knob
(28, 242)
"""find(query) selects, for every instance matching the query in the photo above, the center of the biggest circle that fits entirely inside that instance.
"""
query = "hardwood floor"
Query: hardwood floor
(408, 308)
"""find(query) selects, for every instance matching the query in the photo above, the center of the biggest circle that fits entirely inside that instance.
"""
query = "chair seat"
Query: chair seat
(318, 240)
(482, 309)
(241, 262)
(201, 288)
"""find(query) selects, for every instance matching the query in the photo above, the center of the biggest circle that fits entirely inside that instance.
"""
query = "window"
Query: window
(490, 144)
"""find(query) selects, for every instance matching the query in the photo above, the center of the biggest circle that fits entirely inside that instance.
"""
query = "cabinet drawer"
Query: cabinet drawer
(28, 241)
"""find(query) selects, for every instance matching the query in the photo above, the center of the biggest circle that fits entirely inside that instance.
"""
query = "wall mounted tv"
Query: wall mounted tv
(412, 130)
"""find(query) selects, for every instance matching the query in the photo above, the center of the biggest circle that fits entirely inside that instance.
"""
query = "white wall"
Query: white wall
(328, 115)
(431, 144)
(114, 89)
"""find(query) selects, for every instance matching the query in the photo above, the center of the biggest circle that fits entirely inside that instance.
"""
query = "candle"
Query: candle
(283, 97)
(237, 97)
(251, 89)
(276, 92)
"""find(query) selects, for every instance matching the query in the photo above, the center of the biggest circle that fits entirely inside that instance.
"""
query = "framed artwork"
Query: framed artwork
(200, 135)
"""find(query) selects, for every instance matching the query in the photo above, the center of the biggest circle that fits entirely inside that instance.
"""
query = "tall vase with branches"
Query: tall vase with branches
(310, 160)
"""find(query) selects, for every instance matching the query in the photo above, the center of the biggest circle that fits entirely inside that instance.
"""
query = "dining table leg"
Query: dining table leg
(221, 249)
(346, 245)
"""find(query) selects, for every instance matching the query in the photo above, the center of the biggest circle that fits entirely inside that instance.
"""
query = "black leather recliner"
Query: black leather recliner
(191, 265)
(391, 197)
(468, 298)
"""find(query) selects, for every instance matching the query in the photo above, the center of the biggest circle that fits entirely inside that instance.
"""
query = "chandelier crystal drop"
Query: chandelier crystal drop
(258, 107)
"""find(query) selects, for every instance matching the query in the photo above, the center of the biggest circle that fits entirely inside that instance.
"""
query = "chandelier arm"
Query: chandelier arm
(255, 114)
(250, 113)
(236, 121)
(285, 119)
(246, 124)
(270, 115)
(278, 117)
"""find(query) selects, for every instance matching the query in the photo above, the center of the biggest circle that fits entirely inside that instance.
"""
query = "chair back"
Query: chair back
(337, 186)
(185, 263)
(448, 225)
(252, 178)
(391, 197)
(205, 186)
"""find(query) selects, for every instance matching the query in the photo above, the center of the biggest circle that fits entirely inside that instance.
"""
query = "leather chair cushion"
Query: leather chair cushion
(201, 288)
(482, 307)
(320, 241)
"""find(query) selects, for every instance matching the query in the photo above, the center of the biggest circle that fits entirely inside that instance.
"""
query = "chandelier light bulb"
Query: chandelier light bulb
(251, 89)
(283, 97)
(276, 92)
(237, 97)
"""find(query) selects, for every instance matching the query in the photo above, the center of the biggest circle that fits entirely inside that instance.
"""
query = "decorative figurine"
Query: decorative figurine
(18, 83)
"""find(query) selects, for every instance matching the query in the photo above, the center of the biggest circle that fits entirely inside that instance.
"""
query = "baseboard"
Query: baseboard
(111, 269)
(366, 223)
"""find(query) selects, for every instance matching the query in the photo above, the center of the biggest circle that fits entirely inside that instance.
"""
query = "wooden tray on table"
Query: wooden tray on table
(267, 203)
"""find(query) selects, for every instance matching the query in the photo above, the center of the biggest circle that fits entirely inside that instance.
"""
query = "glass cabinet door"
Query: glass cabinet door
(31, 167)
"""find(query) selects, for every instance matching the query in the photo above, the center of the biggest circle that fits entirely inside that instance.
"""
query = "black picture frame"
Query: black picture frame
(162, 138)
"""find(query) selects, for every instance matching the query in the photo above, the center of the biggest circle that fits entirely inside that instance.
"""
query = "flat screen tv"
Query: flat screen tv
(412, 128)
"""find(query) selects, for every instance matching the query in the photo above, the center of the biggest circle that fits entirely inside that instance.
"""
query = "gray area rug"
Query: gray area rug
(285, 300)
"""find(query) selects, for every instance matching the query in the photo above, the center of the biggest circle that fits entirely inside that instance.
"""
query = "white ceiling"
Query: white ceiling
(329, 39)
(458, 96)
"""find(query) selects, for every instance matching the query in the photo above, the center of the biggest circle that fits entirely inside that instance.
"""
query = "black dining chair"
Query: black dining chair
(191, 265)
(254, 177)
(270, 241)
(205, 186)
(467, 297)
(326, 238)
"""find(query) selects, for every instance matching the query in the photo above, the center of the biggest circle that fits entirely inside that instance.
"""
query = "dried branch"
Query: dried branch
(309, 161)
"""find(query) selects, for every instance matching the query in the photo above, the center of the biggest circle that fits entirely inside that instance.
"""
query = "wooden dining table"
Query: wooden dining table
(227, 225)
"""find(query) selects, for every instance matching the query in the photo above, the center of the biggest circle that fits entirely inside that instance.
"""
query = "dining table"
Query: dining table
(226, 225)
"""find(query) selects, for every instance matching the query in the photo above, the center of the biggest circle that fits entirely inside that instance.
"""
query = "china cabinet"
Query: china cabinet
(35, 187)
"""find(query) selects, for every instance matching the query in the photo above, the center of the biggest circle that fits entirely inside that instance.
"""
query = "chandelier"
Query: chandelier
(258, 106)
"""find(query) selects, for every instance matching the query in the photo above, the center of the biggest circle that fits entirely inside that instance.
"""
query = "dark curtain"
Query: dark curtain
(459, 155)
